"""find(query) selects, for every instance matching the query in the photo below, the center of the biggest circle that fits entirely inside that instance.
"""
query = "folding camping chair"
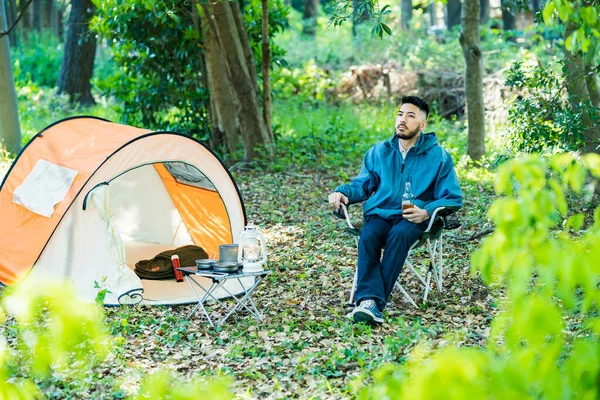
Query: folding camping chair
(432, 236)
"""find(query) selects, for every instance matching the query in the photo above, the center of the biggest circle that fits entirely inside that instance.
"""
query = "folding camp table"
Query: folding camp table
(243, 300)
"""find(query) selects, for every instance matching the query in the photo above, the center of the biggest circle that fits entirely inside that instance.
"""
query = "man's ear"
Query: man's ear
(423, 125)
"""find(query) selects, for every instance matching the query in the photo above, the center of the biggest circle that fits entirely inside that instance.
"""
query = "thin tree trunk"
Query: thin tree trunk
(80, 50)
(453, 9)
(60, 17)
(591, 80)
(406, 14)
(535, 5)
(54, 15)
(484, 14)
(224, 119)
(37, 20)
(198, 29)
(10, 131)
(432, 10)
(254, 131)
(508, 17)
(26, 19)
(579, 95)
(310, 17)
(11, 16)
(49, 10)
(469, 41)
(266, 64)
(245, 41)
(354, 17)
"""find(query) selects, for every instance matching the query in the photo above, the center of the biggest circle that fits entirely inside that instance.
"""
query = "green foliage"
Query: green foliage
(342, 10)
(542, 119)
(584, 15)
(164, 385)
(549, 266)
(157, 51)
(37, 59)
(55, 333)
(40, 106)
(310, 83)
(278, 14)
(329, 137)
(57, 339)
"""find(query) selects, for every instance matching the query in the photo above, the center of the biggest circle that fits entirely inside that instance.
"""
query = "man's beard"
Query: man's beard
(408, 135)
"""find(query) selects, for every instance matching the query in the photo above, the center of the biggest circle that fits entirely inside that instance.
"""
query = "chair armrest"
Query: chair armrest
(440, 212)
(344, 209)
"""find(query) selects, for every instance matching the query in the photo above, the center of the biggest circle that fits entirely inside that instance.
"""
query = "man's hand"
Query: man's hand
(335, 198)
(415, 215)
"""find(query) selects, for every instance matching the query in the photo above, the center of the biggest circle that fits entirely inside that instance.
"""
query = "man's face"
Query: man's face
(410, 121)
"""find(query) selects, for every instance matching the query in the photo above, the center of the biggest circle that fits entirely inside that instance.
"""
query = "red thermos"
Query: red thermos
(176, 264)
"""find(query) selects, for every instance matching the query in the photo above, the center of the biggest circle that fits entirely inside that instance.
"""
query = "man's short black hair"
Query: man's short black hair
(417, 101)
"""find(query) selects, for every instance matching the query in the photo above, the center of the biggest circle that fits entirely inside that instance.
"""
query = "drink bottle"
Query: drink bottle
(408, 199)
(177, 264)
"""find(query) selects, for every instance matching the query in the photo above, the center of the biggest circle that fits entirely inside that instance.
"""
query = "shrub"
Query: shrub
(546, 257)
(542, 117)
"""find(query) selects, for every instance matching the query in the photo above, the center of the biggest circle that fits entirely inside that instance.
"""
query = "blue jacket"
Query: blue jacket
(384, 172)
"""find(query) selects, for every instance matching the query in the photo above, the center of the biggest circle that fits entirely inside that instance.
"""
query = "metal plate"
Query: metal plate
(226, 266)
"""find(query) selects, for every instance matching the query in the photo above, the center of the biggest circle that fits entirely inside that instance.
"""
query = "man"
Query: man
(409, 156)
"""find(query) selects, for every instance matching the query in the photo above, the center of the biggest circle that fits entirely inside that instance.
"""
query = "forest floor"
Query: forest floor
(306, 347)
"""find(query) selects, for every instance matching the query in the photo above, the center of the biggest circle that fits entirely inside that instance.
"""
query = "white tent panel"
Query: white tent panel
(79, 253)
(143, 210)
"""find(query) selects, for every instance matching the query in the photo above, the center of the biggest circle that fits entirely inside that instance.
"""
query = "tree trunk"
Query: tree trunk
(80, 50)
(591, 80)
(469, 41)
(11, 16)
(60, 17)
(508, 17)
(254, 131)
(406, 14)
(49, 11)
(55, 14)
(535, 5)
(432, 11)
(453, 8)
(243, 35)
(224, 121)
(579, 95)
(310, 17)
(266, 65)
(10, 131)
(484, 14)
(26, 18)
(36, 12)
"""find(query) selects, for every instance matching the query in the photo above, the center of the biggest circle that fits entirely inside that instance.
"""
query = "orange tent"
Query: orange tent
(87, 198)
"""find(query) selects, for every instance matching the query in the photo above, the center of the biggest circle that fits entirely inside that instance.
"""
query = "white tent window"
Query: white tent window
(45, 186)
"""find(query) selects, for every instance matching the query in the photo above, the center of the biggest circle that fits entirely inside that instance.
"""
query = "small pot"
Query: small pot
(206, 263)
(228, 253)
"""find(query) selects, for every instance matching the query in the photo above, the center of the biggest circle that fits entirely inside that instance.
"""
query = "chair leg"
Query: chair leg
(441, 263)
(353, 290)
(437, 261)
(406, 295)
(414, 271)
(428, 282)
